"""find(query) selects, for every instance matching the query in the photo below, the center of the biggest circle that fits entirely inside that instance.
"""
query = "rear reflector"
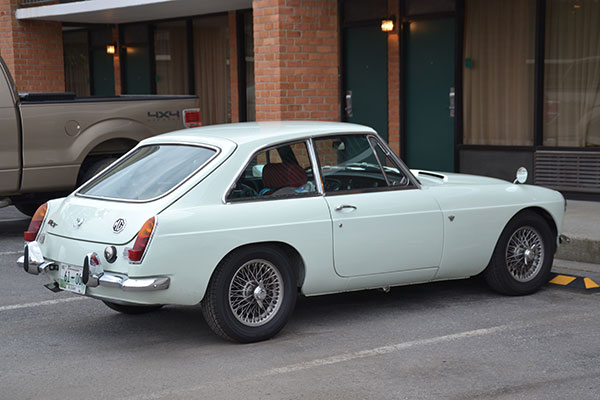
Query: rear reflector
(36, 223)
(192, 118)
(141, 242)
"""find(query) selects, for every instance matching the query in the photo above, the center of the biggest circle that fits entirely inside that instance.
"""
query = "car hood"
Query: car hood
(431, 178)
(100, 220)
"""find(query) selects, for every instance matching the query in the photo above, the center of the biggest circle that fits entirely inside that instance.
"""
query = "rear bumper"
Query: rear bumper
(34, 263)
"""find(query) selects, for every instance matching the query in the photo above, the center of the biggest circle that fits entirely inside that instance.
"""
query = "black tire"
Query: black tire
(230, 288)
(28, 208)
(92, 168)
(515, 271)
(131, 308)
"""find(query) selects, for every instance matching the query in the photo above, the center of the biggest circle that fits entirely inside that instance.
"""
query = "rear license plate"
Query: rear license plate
(70, 278)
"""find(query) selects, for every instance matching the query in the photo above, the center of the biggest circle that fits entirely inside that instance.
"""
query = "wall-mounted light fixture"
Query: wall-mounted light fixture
(111, 48)
(387, 25)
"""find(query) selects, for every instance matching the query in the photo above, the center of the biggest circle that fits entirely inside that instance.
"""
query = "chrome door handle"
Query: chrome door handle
(452, 106)
(340, 208)
(348, 108)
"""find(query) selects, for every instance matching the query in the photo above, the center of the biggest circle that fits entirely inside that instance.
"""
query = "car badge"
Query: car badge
(52, 223)
(119, 225)
(78, 222)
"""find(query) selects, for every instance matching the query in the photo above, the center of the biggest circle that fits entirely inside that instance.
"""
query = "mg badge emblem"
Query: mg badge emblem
(119, 225)
(78, 222)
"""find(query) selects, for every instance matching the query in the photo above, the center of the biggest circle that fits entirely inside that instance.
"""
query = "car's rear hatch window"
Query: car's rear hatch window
(149, 172)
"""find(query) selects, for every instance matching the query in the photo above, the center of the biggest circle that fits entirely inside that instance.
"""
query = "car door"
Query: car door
(382, 221)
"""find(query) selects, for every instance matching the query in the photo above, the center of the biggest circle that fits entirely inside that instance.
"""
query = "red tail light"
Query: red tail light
(192, 118)
(36, 223)
(143, 237)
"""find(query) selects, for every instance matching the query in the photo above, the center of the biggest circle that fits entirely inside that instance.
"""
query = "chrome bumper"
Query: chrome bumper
(32, 261)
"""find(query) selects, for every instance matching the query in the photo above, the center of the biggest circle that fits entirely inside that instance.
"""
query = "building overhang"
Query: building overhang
(123, 11)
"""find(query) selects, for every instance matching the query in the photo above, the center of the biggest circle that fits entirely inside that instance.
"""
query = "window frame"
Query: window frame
(412, 184)
(311, 155)
(127, 155)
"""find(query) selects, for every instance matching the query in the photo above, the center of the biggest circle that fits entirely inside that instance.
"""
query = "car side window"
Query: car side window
(395, 176)
(348, 163)
(281, 172)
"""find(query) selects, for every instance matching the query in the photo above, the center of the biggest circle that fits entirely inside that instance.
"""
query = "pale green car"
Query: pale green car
(242, 217)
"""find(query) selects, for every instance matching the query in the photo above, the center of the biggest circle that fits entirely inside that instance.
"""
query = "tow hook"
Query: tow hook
(564, 239)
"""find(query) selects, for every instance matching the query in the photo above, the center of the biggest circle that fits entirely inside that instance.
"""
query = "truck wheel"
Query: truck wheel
(131, 308)
(522, 259)
(28, 208)
(251, 295)
(91, 169)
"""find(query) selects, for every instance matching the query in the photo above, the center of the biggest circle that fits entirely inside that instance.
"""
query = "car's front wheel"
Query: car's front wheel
(251, 294)
(522, 259)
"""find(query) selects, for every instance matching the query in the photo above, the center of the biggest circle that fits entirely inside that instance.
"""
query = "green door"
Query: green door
(365, 77)
(103, 73)
(429, 92)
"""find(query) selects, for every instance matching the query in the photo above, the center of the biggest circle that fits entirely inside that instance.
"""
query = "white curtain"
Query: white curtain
(572, 73)
(498, 72)
(170, 49)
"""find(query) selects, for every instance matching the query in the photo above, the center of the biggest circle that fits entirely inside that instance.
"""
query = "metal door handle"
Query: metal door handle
(452, 106)
(348, 108)
(340, 208)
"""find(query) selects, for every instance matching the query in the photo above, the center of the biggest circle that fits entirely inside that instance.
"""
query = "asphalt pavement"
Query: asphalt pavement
(446, 340)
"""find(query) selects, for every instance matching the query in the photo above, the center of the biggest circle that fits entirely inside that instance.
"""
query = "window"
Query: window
(149, 172)
(171, 57)
(211, 68)
(572, 74)
(498, 72)
(249, 66)
(77, 62)
(282, 172)
(349, 163)
(394, 174)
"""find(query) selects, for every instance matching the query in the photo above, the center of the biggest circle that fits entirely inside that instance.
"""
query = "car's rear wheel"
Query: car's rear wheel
(251, 294)
(131, 308)
(522, 259)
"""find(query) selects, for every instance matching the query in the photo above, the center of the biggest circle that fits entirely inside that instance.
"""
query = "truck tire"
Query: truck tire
(28, 208)
(92, 168)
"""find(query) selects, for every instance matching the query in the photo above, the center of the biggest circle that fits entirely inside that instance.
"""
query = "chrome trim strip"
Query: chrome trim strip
(315, 166)
(128, 154)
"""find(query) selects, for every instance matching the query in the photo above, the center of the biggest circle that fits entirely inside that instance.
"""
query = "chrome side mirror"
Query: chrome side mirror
(521, 175)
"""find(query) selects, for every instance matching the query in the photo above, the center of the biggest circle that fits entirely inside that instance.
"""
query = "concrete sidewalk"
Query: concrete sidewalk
(582, 225)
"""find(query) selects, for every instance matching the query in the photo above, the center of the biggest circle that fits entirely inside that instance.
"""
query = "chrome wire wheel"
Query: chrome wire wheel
(256, 292)
(525, 254)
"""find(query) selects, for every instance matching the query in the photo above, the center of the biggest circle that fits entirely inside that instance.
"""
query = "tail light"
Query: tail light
(141, 242)
(36, 223)
(192, 118)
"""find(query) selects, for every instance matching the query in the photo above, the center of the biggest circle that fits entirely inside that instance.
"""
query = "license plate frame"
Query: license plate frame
(70, 278)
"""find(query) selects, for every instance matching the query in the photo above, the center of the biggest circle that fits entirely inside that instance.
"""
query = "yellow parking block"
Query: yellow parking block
(590, 284)
(562, 280)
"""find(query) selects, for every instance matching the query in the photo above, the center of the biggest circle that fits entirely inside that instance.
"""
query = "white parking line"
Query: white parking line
(10, 253)
(41, 303)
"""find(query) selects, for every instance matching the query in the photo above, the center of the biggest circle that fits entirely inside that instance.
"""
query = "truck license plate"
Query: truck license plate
(70, 278)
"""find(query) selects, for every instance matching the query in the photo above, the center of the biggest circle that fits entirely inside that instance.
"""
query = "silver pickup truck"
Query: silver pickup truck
(52, 142)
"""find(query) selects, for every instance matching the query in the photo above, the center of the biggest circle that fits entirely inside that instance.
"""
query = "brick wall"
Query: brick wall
(32, 50)
(296, 58)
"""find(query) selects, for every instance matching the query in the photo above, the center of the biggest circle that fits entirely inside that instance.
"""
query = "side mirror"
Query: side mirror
(521, 175)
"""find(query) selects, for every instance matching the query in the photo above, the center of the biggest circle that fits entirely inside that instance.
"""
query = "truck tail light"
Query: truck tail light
(36, 223)
(141, 242)
(192, 118)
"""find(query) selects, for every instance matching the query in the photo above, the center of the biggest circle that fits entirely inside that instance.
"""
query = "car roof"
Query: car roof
(258, 133)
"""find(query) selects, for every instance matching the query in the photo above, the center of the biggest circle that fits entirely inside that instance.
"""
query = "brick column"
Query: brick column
(394, 79)
(33, 51)
(296, 59)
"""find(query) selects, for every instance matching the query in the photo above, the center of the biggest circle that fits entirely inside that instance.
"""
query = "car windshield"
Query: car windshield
(148, 172)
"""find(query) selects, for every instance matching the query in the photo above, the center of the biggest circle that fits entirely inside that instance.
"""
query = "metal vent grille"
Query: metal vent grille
(568, 170)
